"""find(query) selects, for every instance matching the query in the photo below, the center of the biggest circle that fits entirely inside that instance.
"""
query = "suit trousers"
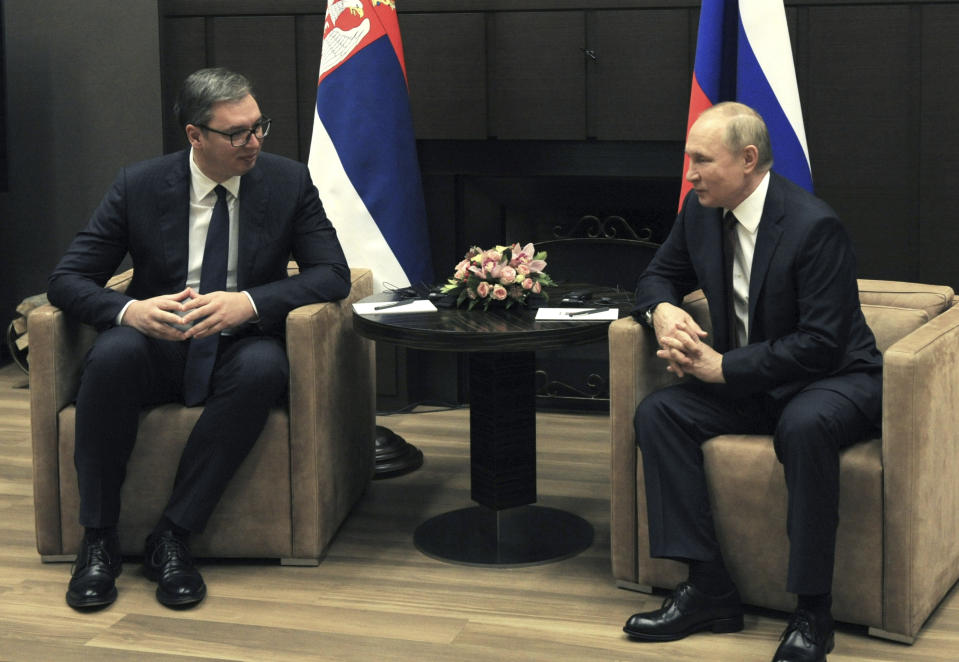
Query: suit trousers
(126, 371)
(808, 431)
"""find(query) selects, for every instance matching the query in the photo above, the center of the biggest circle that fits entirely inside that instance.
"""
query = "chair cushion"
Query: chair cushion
(249, 521)
(748, 497)
(933, 299)
(889, 323)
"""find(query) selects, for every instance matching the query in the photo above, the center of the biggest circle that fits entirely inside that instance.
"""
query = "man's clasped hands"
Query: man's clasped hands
(682, 344)
(189, 314)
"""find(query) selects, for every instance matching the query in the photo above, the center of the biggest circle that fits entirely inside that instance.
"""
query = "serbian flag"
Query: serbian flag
(363, 153)
(743, 54)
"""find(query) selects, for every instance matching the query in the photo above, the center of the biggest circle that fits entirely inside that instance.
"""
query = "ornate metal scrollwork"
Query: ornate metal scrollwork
(613, 226)
(596, 388)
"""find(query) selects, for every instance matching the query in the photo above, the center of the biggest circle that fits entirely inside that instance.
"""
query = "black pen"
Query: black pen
(588, 311)
(391, 305)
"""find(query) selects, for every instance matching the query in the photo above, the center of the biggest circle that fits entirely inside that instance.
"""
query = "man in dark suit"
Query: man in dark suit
(791, 356)
(210, 231)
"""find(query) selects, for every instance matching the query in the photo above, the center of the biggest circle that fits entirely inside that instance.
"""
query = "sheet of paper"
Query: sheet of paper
(577, 314)
(411, 306)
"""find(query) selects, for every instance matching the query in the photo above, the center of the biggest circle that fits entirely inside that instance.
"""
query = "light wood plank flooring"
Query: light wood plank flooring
(375, 597)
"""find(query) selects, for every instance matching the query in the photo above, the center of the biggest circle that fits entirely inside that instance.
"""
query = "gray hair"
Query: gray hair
(203, 88)
(744, 126)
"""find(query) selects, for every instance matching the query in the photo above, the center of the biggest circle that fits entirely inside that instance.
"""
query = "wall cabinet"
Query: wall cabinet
(562, 75)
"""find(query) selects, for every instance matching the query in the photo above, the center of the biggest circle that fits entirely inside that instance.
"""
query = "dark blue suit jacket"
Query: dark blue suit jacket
(805, 322)
(146, 214)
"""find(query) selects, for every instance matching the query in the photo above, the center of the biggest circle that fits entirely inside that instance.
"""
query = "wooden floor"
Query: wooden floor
(375, 597)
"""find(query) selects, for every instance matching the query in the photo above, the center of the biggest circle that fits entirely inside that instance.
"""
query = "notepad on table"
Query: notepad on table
(388, 307)
(577, 314)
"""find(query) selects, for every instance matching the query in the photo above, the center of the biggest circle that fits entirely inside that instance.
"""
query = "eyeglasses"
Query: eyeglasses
(240, 138)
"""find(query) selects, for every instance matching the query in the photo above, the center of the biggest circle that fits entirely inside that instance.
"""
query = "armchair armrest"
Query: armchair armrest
(57, 348)
(332, 415)
(920, 457)
(634, 373)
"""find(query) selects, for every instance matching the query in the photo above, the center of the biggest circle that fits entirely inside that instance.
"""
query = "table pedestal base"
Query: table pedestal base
(525, 535)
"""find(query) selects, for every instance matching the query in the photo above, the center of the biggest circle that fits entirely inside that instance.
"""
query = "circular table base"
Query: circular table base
(525, 535)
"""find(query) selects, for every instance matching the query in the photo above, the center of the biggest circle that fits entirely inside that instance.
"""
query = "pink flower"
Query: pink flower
(537, 265)
(526, 251)
(484, 275)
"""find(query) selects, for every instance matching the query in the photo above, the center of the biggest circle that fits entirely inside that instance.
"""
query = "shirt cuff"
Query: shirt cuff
(123, 310)
(256, 313)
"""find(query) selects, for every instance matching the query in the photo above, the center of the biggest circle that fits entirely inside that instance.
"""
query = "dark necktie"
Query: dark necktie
(729, 258)
(201, 354)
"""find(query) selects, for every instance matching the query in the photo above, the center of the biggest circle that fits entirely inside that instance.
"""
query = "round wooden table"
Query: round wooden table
(505, 528)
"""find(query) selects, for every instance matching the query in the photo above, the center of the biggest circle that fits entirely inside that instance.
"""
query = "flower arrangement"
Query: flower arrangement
(503, 273)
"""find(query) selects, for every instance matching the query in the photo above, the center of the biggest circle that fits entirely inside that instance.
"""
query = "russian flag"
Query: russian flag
(363, 153)
(743, 54)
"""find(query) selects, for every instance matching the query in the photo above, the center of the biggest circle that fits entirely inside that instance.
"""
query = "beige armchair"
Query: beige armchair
(897, 552)
(310, 465)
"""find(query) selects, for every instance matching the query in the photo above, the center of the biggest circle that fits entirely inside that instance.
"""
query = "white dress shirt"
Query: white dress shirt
(202, 201)
(749, 212)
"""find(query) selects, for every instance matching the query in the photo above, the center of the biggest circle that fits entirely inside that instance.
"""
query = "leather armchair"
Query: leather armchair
(310, 465)
(897, 552)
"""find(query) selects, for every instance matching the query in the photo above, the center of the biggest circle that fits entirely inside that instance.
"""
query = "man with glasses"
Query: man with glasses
(209, 230)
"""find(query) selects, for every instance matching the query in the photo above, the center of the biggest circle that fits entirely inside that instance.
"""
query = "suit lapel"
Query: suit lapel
(254, 196)
(767, 239)
(173, 212)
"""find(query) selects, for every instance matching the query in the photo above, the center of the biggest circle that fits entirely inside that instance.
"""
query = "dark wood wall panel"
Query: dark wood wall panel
(446, 68)
(939, 165)
(309, 48)
(860, 127)
(537, 75)
(264, 49)
(638, 83)
(183, 52)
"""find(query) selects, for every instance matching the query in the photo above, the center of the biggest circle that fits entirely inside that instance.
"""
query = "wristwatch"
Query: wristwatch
(648, 315)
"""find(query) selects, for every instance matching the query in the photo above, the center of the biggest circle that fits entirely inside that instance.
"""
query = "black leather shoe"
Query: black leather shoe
(169, 563)
(806, 639)
(686, 611)
(98, 565)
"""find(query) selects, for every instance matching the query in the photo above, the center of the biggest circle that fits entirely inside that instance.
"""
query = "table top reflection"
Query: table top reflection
(494, 330)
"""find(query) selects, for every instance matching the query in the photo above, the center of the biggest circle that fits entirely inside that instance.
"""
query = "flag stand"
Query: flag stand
(394, 456)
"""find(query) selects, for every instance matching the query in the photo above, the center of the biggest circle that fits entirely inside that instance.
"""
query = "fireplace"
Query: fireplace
(599, 209)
